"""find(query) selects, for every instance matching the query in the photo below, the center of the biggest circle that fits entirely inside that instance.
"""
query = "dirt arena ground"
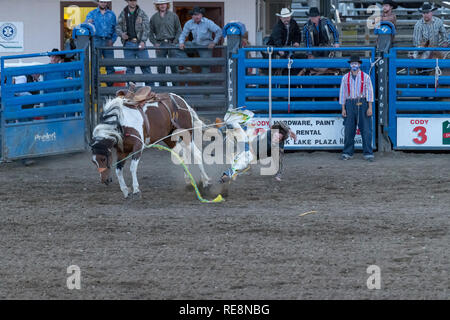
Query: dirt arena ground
(393, 213)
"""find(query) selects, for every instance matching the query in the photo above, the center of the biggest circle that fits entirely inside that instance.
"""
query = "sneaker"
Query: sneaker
(345, 157)
(370, 159)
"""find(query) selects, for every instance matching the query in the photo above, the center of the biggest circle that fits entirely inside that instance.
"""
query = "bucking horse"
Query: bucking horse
(133, 120)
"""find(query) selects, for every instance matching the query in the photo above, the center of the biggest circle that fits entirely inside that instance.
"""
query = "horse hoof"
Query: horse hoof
(207, 184)
(137, 195)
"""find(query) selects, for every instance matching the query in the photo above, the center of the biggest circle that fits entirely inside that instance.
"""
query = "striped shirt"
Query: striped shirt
(354, 86)
(434, 32)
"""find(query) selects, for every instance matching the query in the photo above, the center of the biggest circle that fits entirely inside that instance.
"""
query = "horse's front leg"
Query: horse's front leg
(119, 174)
(133, 169)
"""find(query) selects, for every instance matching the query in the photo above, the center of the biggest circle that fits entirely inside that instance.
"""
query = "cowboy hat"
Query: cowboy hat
(426, 7)
(355, 58)
(391, 3)
(161, 1)
(313, 12)
(285, 12)
(197, 10)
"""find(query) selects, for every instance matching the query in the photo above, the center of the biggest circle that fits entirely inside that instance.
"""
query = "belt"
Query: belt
(358, 99)
(134, 40)
(167, 40)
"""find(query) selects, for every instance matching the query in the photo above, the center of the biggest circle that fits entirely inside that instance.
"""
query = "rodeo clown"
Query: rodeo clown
(245, 133)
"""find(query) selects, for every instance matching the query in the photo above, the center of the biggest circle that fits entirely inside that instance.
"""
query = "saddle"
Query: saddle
(137, 100)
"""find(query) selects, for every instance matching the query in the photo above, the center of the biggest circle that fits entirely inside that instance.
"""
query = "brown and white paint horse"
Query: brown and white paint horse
(125, 129)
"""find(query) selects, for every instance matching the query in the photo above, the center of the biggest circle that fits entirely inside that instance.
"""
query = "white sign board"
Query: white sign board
(312, 132)
(423, 132)
(11, 37)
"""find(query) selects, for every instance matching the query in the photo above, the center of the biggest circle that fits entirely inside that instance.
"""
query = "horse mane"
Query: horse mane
(109, 126)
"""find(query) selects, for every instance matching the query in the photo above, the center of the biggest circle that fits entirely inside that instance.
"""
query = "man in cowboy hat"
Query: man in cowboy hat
(165, 29)
(356, 97)
(388, 15)
(429, 30)
(202, 30)
(132, 28)
(104, 21)
(319, 32)
(286, 32)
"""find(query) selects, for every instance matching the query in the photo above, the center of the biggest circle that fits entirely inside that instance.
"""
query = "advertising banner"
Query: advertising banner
(423, 132)
(312, 132)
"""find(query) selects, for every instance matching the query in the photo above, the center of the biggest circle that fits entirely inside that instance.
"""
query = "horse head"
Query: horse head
(102, 158)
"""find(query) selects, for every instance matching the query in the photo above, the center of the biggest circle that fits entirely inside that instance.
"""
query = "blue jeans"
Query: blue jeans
(137, 54)
(203, 53)
(357, 117)
(168, 53)
(105, 54)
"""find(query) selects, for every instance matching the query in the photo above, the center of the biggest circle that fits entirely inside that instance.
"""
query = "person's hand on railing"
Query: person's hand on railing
(211, 45)
(182, 46)
(142, 45)
(336, 45)
(296, 44)
(124, 37)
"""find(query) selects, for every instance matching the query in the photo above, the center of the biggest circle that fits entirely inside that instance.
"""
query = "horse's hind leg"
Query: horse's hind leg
(179, 149)
(199, 160)
(119, 174)
(133, 169)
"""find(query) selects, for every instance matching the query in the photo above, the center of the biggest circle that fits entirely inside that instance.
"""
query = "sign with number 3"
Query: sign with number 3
(424, 132)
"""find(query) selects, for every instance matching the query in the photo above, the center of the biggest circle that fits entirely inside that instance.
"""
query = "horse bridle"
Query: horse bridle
(104, 151)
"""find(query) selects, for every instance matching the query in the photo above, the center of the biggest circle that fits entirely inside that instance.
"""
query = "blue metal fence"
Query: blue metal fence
(419, 101)
(311, 96)
(44, 117)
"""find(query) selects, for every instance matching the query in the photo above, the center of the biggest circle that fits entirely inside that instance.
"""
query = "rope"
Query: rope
(191, 178)
(437, 73)
(270, 51)
(290, 62)
(372, 64)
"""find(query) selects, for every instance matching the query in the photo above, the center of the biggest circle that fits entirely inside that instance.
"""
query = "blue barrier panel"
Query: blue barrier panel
(45, 117)
(308, 102)
(419, 95)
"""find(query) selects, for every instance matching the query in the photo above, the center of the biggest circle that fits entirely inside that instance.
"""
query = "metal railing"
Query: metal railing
(205, 92)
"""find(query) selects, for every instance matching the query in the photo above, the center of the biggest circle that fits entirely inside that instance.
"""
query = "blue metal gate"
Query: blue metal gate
(44, 117)
(419, 101)
(310, 103)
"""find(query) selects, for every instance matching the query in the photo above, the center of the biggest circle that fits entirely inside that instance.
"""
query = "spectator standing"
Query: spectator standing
(165, 30)
(202, 29)
(356, 97)
(286, 32)
(388, 14)
(429, 31)
(104, 21)
(133, 29)
(319, 32)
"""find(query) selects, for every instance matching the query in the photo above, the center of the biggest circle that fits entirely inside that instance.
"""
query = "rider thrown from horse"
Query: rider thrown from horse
(257, 145)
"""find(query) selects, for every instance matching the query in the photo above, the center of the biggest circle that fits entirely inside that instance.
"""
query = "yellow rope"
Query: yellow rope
(191, 178)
